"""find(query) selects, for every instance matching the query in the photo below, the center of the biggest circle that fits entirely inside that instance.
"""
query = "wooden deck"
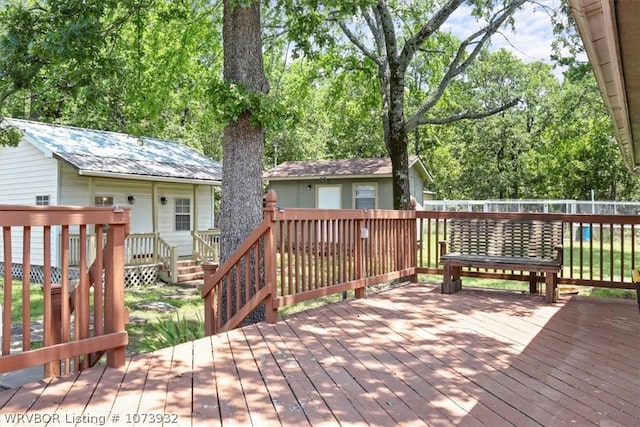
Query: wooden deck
(406, 356)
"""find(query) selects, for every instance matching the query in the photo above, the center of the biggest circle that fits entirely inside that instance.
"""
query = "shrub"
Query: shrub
(171, 331)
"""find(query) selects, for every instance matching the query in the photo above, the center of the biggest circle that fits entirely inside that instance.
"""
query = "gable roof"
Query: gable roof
(117, 155)
(341, 168)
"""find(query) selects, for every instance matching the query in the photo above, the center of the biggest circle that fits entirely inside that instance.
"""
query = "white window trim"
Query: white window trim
(43, 196)
(353, 192)
(175, 214)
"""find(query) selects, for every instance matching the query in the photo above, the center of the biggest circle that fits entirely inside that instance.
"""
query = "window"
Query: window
(103, 201)
(42, 200)
(365, 196)
(183, 214)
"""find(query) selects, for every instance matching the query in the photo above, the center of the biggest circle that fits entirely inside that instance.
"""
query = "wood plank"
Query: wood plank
(247, 344)
(205, 406)
(337, 402)
(80, 394)
(126, 400)
(303, 391)
(179, 388)
(351, 379)
(408, 355)
(233, 407)
(154, 392)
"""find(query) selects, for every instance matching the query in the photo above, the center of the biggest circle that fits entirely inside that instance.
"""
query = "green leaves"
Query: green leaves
(9, 136)
(230, 100)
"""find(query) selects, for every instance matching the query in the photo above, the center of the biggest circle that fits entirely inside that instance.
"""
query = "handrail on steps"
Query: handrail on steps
(236, 286)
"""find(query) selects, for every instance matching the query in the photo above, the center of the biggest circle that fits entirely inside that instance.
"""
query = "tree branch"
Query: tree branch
(436, 21)
(460, 63)
(469, 116)
(359, 44)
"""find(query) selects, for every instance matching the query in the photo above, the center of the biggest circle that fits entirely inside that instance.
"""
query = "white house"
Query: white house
(168, 186)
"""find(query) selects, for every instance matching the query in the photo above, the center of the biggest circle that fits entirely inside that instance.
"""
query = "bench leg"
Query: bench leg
(451, 282)
(551, 285)
(533, 282)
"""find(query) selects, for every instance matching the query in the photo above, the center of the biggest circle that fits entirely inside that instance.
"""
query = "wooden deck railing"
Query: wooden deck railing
(206, 245)
(599, 250)
(300, 254)
(77, 329)
(140, 248)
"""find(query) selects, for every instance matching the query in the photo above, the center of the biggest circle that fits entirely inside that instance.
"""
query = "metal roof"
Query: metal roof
(610, 31)
(340, 168)
(111, 154)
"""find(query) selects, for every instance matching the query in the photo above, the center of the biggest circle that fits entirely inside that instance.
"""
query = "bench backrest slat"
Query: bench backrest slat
(511, 238)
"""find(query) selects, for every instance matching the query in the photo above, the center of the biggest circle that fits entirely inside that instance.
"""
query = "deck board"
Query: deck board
(406, 356)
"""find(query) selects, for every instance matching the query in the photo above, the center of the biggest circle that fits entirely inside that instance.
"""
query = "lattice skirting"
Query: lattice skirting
(134, 275)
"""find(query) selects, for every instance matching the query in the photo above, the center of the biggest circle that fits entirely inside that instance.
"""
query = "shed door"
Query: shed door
(329, 197)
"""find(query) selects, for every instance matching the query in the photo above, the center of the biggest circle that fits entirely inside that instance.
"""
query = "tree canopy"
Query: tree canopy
(345, 77)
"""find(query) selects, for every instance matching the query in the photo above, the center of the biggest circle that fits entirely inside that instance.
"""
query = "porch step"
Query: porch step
(189, 270)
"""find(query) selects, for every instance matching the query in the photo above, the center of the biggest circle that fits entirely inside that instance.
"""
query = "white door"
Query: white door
(329, 197)
(141, 218)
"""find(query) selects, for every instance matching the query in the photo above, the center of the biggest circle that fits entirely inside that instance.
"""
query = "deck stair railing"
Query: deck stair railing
(77, 330)
(300, 254)
(206, 245)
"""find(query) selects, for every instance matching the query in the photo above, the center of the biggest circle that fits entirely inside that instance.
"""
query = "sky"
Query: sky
(533, 35)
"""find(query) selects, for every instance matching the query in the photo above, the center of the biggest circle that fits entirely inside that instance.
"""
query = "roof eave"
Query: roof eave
(85, 172)
(596, 23)
(324, 177)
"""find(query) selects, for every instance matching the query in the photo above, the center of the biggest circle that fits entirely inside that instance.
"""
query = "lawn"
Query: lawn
(151, 310)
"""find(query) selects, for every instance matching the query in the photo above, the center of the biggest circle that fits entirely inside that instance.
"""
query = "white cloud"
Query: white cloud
(530, 39)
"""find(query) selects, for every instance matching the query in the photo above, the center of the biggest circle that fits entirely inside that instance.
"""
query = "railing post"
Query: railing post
(52, 369)
(174, 264)
(412, 241)
(210, 303)
(269, 212)
(114, 290)
(359, 258)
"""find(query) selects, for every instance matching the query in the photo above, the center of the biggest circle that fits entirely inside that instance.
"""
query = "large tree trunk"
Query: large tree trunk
(397, 139)
(241, 202)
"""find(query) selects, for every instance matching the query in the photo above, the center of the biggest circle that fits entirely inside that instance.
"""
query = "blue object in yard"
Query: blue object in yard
(586, 233)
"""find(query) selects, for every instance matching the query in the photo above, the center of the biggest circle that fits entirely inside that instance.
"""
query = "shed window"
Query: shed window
(365, 196)
(103, 201)
(42, 200)
(183, 214)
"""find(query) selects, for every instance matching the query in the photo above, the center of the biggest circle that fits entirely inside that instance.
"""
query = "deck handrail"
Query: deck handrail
(139, 248)
(206, 245)
(319, 252)
(599, 250)
(350, 249)
(98, 321)
(167, 255)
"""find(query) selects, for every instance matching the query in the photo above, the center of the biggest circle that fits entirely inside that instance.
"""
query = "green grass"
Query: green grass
(150, 329)
(144, 323)
(36, 303)
(289, 310)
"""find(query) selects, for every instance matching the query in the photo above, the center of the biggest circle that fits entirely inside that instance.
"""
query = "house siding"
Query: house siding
(25, 173)
(205, 210)
(416, 186)
(302, 193)
(166, 217)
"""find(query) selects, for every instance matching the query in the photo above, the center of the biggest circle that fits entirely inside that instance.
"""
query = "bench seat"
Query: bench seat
(488, 261)
(534, 246)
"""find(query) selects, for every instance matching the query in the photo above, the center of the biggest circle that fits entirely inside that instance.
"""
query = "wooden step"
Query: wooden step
(189, 270)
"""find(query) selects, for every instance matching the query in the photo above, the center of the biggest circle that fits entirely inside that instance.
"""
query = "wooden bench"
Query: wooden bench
(503, 244)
